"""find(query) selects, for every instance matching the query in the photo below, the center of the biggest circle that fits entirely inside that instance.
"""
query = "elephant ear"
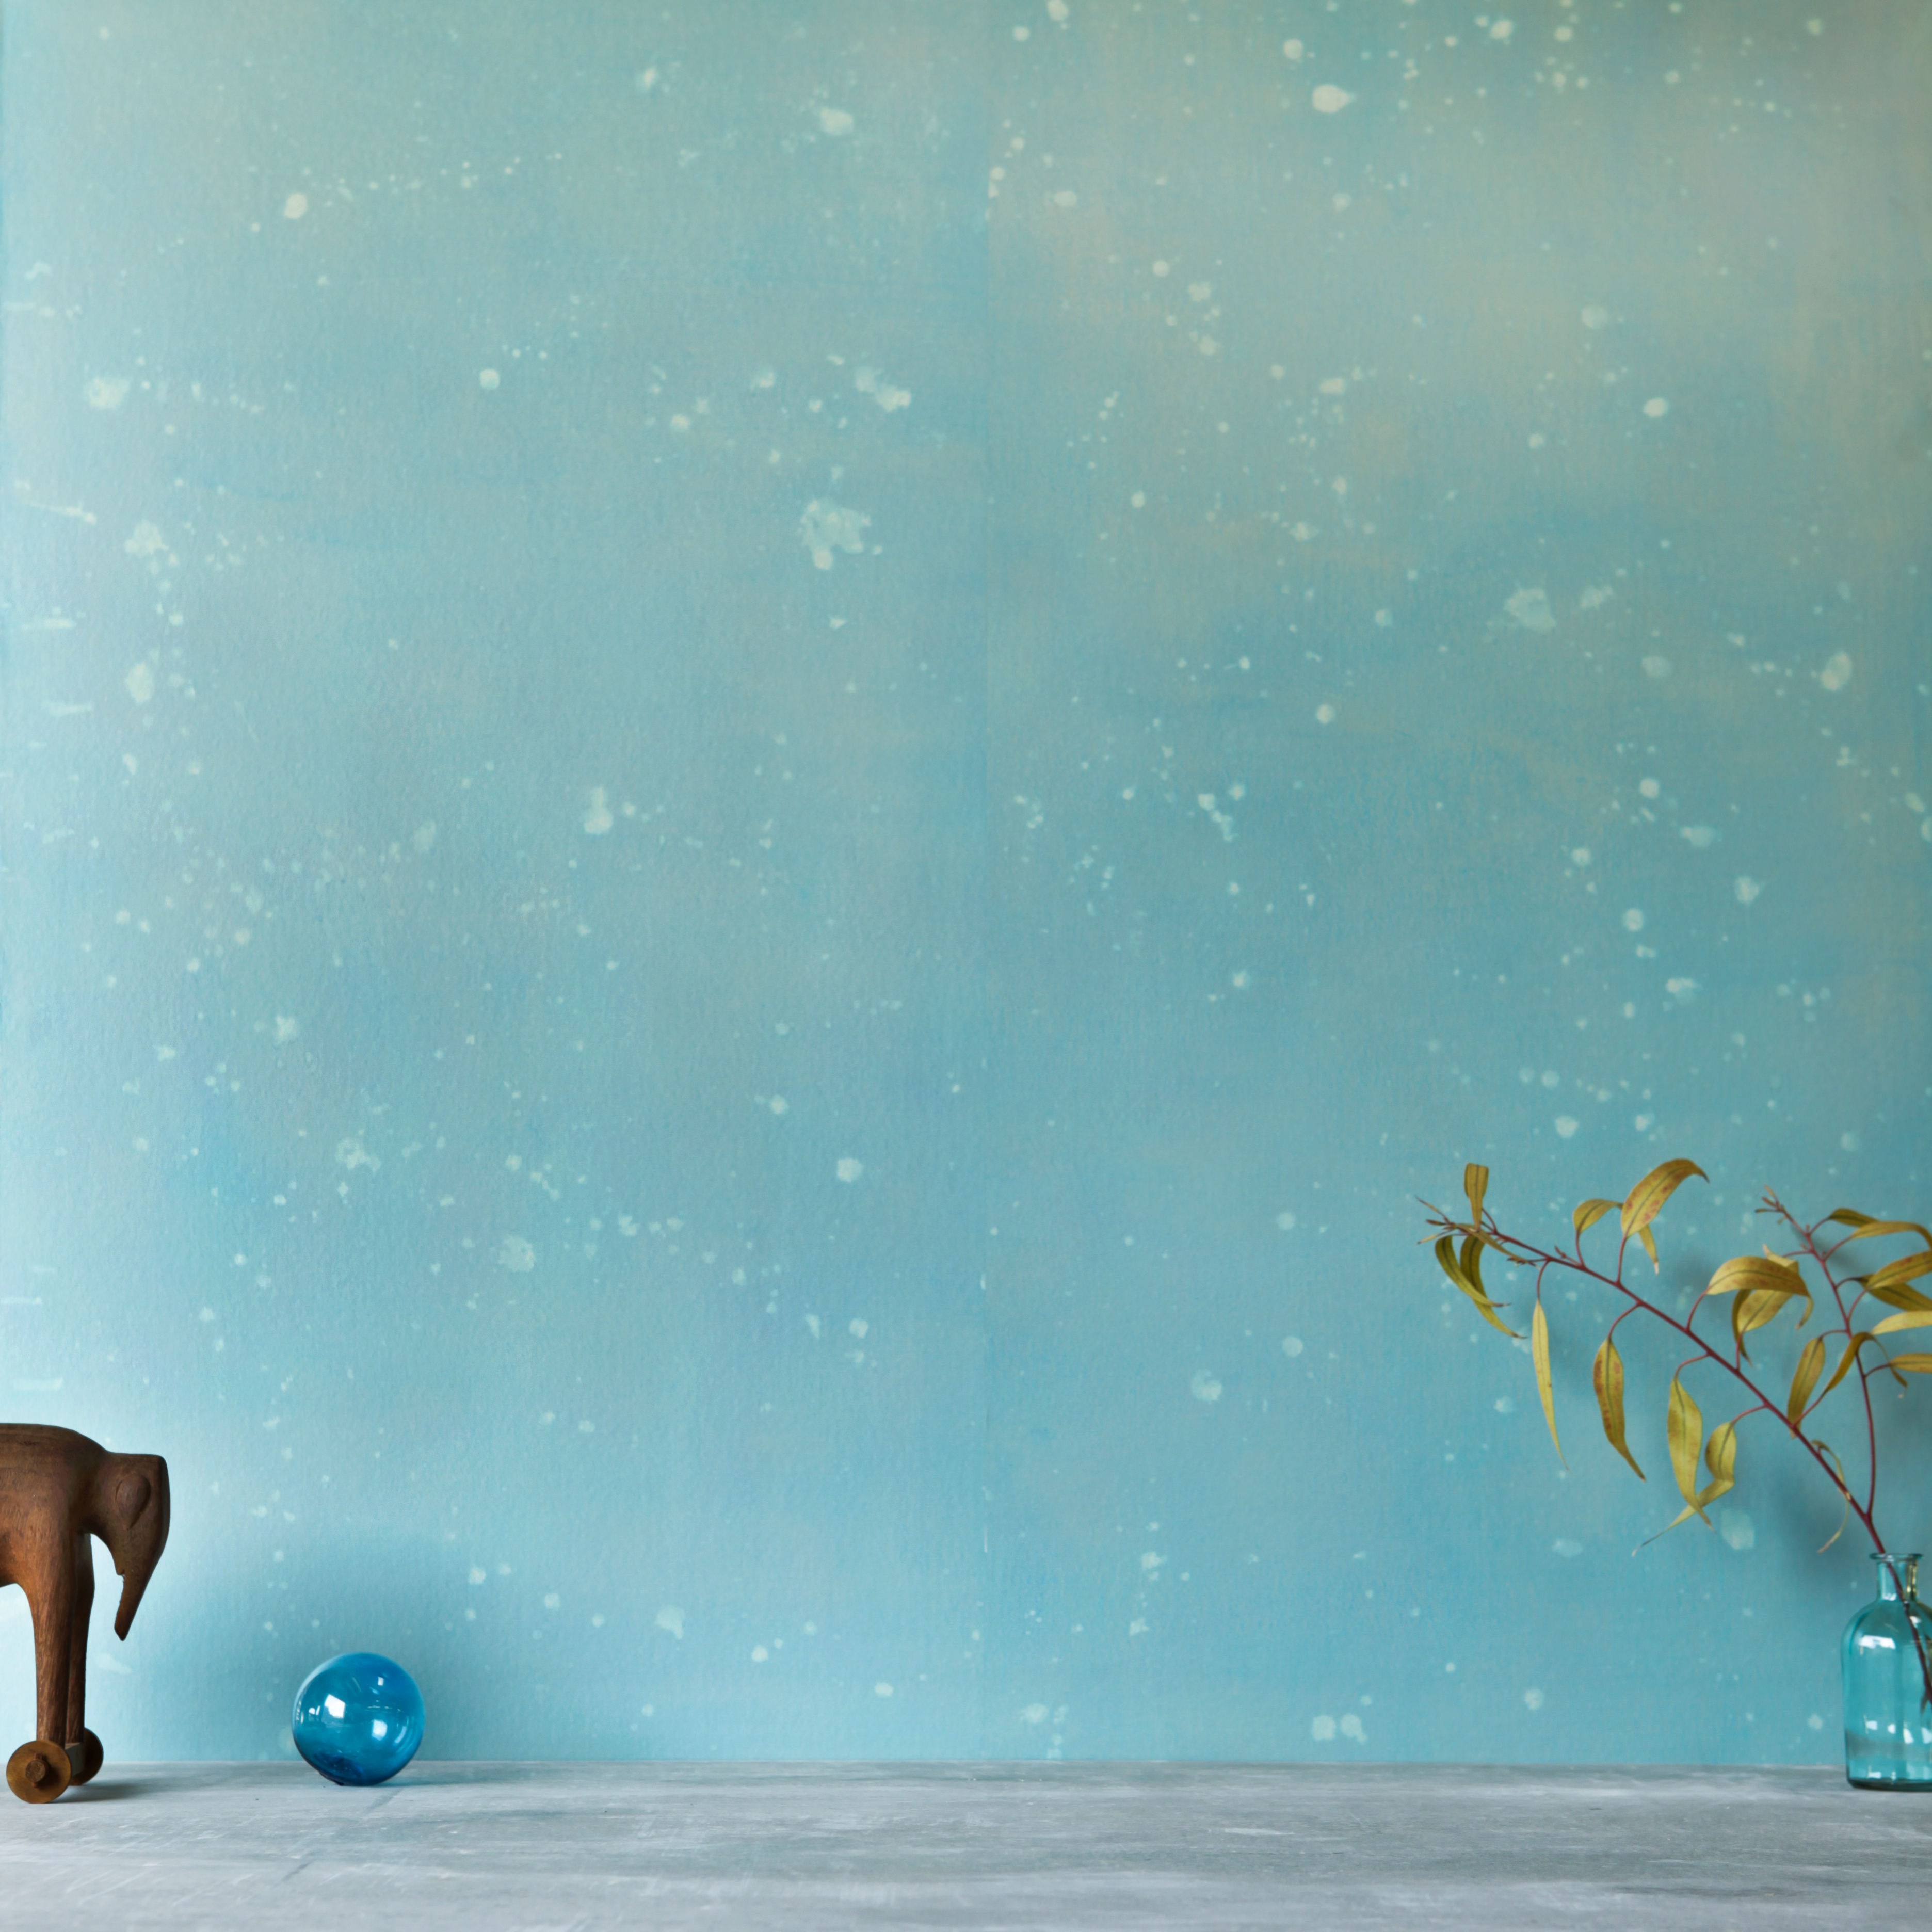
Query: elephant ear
(131, 1498)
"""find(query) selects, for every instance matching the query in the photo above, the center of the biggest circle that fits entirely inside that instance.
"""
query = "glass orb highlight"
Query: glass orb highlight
(358, 1718)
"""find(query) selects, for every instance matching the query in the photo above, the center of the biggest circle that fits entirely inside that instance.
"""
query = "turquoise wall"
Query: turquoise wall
(773, 774)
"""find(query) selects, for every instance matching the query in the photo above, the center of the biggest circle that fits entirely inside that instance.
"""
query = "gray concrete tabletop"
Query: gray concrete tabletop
(802, 1846)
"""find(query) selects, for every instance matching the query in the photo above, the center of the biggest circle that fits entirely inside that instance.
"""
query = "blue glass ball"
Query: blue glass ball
(358, 1718)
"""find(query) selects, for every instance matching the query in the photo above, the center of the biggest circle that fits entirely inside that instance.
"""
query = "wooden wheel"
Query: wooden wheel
(39, 1772)
(85, 1755)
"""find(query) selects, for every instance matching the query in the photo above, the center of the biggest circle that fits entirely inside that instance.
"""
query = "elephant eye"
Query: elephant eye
(131, 1498)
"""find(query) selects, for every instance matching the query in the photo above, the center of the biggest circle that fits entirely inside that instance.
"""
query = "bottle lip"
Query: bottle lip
(1895, 1556)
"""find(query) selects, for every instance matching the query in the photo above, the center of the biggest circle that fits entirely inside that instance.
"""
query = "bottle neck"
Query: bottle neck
(1898, 1576)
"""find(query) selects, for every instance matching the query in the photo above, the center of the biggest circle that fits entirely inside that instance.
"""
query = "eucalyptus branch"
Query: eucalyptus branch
(1760, 1287)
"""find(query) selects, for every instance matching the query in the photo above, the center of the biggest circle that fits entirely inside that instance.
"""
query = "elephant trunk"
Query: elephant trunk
(132, 1586)
(137, 1530)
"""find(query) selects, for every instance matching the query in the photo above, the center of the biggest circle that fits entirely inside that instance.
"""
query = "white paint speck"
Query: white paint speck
(1033, 1714)
(825, 527)
(760, 1654)
(1656, 667)
(488, 379)
(1737, 1529)
(1838, 672)
(1658, 406)
(286, 1029)
(882, 1689)
(139, 682)
(1700, 838)
(849, 1170)
(1501, 30)
(1530, 609)
(1292, 1346)
(295, 208)
(1534, 1699)
(1566, 1127)
(1682, 990)
(671, 1618)
(1285, 1219)
(1565, 1546)
(1634, 920)
(597, 815)
(1203, 1386)
(1746, 889)
(1322, 1730)
(1330, 99)
(1596, 316)
(516, 1254)
(834, 121)
(870, 383)
(1293, 50)
(1325, 714)
(107, 392)
(1351, 1727)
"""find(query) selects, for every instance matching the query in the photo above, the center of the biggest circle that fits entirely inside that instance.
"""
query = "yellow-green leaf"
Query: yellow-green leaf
(1915, 1318)
(1688, 1510)
(1642, 1203)
(1445, 1255)
(1469, 1259)
(1758, 1271)
(1845, 1362)
(1913, 1365)
(1867, 1227)
(1606, 1373)
(1649, 1241)
(1684, 1425)
(1844, 1489)
(1907, 1268)
(1475, 1184)
(1804, 1379)
(1539, 1354)
(1588, 1214)
(1756, 1306)
(1895, 1295)
(1721, 1458)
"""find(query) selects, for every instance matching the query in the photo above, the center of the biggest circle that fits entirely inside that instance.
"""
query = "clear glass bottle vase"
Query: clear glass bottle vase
(1888, 1705)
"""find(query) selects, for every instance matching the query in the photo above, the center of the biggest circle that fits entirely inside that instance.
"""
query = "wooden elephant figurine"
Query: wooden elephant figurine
(57, 1489)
